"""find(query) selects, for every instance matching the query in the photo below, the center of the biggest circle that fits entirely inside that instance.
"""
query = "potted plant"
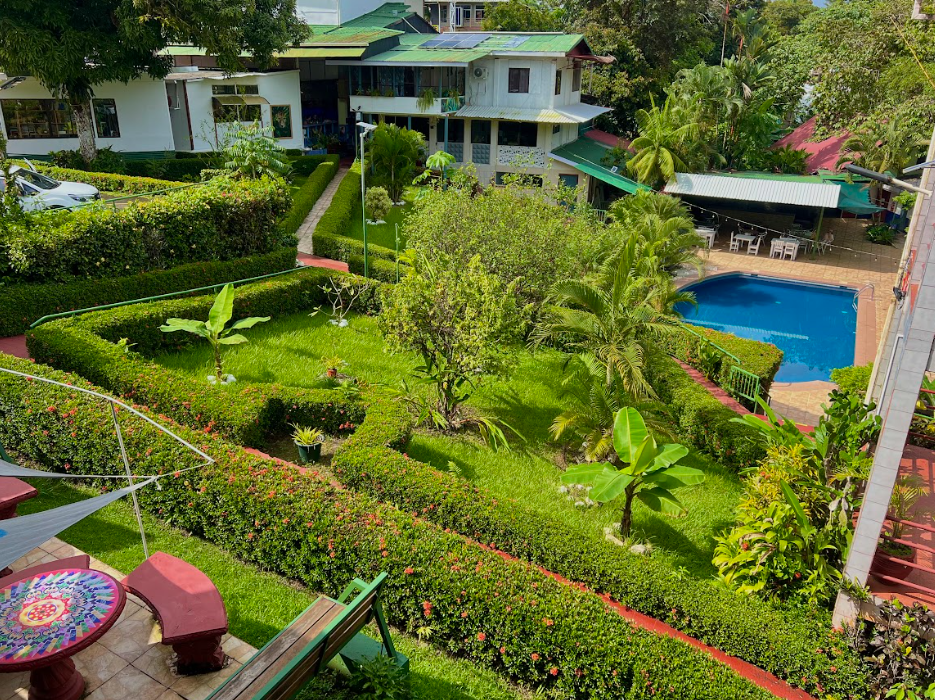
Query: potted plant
(332, 365)
(906, 493)
(308, 441)
(426, 100)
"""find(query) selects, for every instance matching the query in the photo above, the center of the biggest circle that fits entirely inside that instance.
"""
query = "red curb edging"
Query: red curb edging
(316, 261)
(15, 345)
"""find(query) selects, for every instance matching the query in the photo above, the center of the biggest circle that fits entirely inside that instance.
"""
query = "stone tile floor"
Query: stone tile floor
(128, 662)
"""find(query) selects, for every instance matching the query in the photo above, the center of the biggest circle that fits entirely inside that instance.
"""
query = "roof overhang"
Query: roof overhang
(568, 114)
(400, 64)
(764, 191)
(585, 155)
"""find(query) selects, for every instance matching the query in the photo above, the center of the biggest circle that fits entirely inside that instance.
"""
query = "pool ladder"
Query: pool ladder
(857, 294)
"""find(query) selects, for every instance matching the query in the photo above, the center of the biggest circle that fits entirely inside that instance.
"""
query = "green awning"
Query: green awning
(855, 198)
(585, 155)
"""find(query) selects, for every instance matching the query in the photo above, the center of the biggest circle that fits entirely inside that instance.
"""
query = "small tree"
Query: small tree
(254, 152)
(378, 203)
(214, 330)
(393, 153)
(459, 319)
(642, 469)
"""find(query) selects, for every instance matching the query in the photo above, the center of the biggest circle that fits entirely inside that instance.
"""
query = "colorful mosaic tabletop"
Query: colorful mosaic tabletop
(45, 615)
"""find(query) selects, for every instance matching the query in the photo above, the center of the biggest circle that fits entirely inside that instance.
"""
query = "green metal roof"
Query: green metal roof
(349, 36)
(385, 15)
(585, 155)
(323, 52)
(418, 55)
(535, 43)
(411, 49)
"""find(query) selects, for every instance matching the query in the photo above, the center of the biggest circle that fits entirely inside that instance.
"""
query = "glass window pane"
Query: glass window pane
(38, 119)
(518, 134)
(480, 131)
(519, 80)
(576, 80)
(105, 119)
(558, 81)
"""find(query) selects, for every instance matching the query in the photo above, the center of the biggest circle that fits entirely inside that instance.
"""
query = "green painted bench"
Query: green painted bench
(326, 629)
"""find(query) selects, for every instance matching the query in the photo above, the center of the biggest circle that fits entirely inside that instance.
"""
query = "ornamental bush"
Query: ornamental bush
(502, 614)
(304, 199)
(109, 182)
(781, 641)
(218, 220)
(21, 304)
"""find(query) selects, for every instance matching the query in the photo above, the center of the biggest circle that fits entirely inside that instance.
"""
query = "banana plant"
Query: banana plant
(642, 470)
(215, 329)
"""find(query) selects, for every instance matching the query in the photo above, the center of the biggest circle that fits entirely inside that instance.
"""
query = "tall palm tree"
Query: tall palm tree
(667, 143)
(393, 153)
(611, 318)
(883, 146)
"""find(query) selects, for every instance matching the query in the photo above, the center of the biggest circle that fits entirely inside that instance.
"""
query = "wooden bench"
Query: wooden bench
(187, 606)
(82, 561)
(326, 628)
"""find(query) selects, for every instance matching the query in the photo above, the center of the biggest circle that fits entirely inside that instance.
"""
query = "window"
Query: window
(443, 14)
(556, 129)
(235, 89)
(576, 80)
(455, 131)
(498, 178)
(519, 80)
(480, 131)
(478, 13)
(569, 180)
(38, 119)
(237, 113)
(518, 134)
(105, 119)
(420, 124)
(558, 81)
(467, 14)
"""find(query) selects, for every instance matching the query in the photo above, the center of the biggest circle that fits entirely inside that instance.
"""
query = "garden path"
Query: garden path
(311, 221)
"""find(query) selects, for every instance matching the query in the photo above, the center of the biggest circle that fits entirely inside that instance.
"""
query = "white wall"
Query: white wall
(280, 88)
(142, 114)
(494, 90)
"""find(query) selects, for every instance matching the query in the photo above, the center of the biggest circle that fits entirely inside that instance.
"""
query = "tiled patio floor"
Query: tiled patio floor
(128, 662)
(854, 261)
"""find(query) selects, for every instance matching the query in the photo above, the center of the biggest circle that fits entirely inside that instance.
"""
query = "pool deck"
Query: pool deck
(853, 261)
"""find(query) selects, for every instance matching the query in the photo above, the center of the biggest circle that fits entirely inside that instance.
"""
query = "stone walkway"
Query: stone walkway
(307, 229)
(128, 662)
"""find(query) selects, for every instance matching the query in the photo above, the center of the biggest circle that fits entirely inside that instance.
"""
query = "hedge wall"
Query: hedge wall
(505, 615)
(304, 199)
(219, 220)
(762, 359)
(110, 182)
(21, 304)
(782, 642)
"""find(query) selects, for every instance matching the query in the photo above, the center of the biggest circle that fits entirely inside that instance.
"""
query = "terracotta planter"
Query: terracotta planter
(332, 372)
(884, 567)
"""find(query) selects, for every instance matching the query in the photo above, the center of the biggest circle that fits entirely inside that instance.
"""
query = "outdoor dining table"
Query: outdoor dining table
(747, 238)
(792, 239)
(709, 234)
(47, 618)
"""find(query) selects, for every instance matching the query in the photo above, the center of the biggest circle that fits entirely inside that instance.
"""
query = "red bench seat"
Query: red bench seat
(188, 607)
(13, 491)
(82, 561)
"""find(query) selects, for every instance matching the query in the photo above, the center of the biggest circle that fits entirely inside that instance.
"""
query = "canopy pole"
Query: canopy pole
(126, 464)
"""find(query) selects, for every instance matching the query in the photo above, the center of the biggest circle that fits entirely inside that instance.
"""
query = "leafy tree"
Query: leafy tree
(459, 319)
(215, 330)
(784, 16)
(523, 236)
(883, 147)
(71, 47)
(753, 35)
(378, 203)
(667, 143)
(640, 468)
(522, 16)
(612, 318)
(253, 153)
(393, 152)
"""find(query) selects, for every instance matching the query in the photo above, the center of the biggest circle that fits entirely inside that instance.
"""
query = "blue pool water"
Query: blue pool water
(814, 325)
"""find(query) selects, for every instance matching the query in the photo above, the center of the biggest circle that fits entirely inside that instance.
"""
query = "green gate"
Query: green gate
(744, 384)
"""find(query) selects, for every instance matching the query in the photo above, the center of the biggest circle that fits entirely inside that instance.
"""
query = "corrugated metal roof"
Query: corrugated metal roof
(385, 15)
(585, 155)
(353, 36)
(582, 112)
(324, 52)
(534, 43)
(548, 116)
(756, 189)
(418, 56)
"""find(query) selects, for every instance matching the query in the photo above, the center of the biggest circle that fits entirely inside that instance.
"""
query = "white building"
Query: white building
(460, 16)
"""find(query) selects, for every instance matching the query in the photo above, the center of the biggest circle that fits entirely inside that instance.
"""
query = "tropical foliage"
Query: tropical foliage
(393, 152)
(253, 153)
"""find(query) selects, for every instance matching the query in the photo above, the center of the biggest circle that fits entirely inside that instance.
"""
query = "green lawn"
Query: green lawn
(258, 603)
(289, 350)
(383, 234)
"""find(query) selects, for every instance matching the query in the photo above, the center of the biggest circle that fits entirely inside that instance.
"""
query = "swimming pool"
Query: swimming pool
(815, 325)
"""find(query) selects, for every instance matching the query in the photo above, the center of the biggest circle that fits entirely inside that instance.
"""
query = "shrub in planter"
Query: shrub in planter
(880, 233)
(505, 615)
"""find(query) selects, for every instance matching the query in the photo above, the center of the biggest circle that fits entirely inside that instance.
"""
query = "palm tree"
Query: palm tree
(667, 143)
(393, 154)
(883, 147)
(611, 318)
(753, 34)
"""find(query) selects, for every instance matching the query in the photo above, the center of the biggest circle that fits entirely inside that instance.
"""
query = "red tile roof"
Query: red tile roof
(823, 155)
(606, 139)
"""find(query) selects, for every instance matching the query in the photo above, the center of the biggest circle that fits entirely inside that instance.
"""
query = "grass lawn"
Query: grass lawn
(258, 603)
(289, 350)
(383, 234)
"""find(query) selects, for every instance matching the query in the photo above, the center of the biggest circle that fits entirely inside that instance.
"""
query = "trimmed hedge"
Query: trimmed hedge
(218, 220)
(782, 642)
(700, 418)
(505, 615)
(21, 304)
(762, 359)
(110, 182)
(304, 199)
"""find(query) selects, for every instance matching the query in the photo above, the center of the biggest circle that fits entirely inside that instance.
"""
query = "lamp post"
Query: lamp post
(365, 128)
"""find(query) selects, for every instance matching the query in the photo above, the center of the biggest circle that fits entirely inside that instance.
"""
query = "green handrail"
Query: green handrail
(710, 342)
(76, 312)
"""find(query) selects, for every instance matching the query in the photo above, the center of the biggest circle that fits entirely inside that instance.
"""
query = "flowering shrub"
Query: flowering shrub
(783, 642)
(219, 220)
(505, 615)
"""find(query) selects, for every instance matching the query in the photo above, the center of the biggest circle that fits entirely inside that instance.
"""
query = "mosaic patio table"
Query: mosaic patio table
(47, 618)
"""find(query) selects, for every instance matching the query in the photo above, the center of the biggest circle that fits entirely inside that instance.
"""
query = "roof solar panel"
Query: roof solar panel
(455, 41)
(515, 41)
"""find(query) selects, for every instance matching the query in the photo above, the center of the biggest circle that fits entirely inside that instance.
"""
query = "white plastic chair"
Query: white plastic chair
(734, 243)
(790, 250)
(753, 247)
(776, 248)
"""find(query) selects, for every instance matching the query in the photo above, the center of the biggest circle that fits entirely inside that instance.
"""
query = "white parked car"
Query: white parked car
(38, 191)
